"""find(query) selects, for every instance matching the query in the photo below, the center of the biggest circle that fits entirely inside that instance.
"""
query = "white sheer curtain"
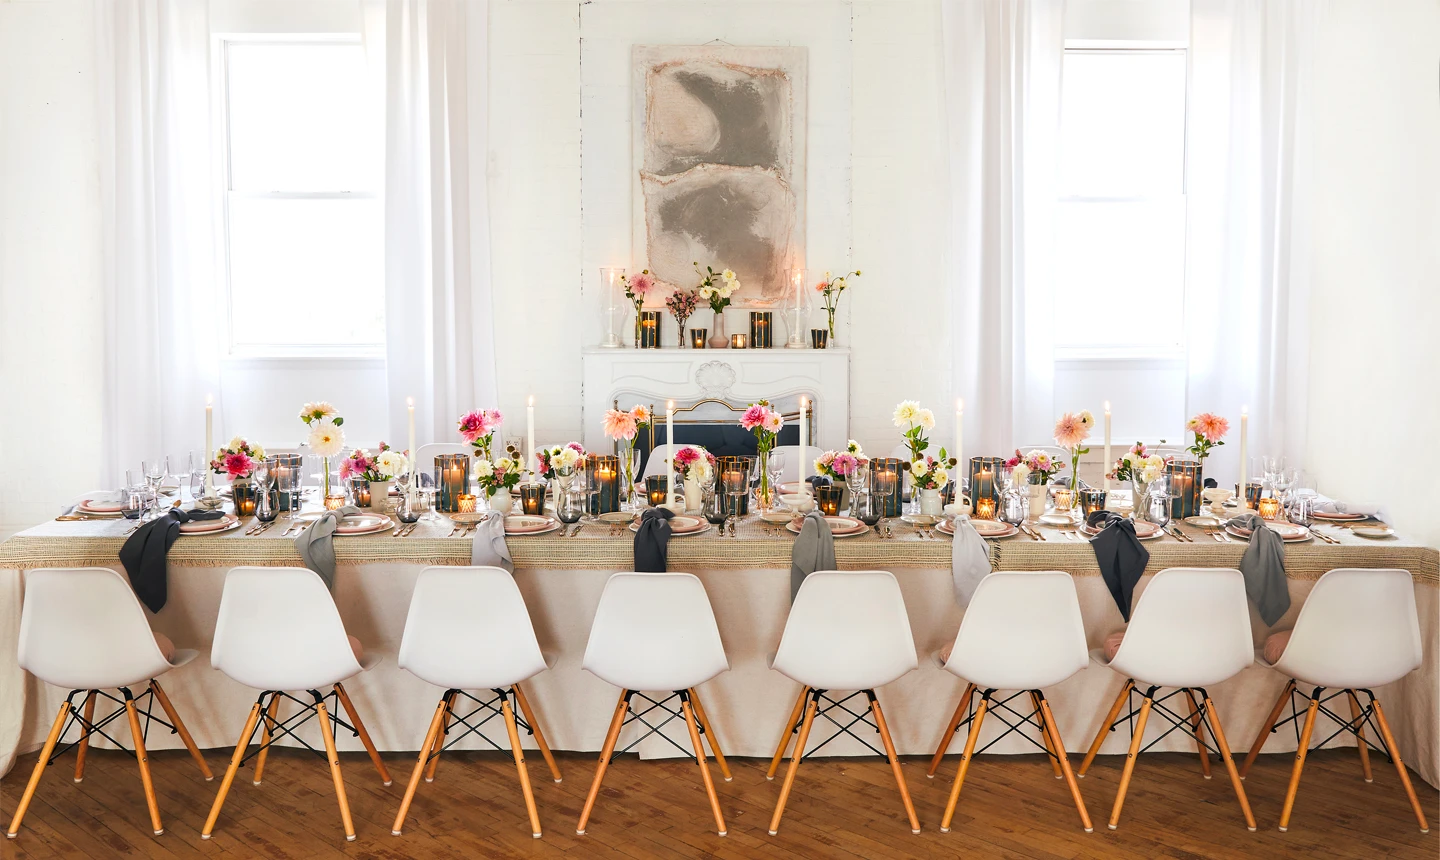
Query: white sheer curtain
(439, 321)
(1248, 243)
(1002, 98)
(161, 312)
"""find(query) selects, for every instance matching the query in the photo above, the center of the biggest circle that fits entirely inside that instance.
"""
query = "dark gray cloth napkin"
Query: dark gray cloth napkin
(1120, 556)
(143, 554)
(316, 543)
(1264, 568)
(489, 547)
(969, 560)
(652, 540)
(814, 550)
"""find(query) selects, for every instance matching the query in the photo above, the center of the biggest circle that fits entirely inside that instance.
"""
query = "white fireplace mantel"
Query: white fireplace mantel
(737, 376)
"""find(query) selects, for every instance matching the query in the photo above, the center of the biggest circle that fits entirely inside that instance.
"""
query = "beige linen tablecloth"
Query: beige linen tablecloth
(748, 583)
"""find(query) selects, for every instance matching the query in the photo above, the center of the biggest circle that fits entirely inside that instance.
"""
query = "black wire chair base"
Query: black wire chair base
(490, 707)
(672, 713)
(1354, 726)
(1034, 719)
(93, 727)
(825, 706)
(1196, 727)
(287, 727)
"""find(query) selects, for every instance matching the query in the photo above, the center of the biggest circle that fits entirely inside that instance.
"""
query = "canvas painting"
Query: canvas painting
(720, 155)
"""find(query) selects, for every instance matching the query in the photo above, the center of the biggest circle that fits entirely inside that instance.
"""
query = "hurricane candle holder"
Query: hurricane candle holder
(982, 472)
(1092, 500)
(819, 338)
(452, 473)
(360, 492)
(532, 498)
(1186, 485)
(613, 296)
(737, 341)
(828, 499)
(886, 483)
(649, 331)
(698, 336)
(735, 468)
(655, 491)
(760, 330)
(288, 470)
(605, 475)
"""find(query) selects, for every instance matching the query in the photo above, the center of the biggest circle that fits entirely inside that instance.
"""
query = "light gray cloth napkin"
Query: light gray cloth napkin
(814, 550)
(316, 547)
(969, 560)
(1264, 567)
(489, 548)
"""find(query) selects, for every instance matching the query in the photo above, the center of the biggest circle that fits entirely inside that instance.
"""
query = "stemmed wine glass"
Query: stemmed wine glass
(777, 471)
(154, 472)
(261, 474)
(737, 484)
(285, 479)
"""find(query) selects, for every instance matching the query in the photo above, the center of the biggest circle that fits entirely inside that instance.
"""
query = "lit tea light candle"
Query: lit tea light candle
(737, 341)
(697, 337)
(1269, 509)
(1064, 499)
(984, 508)
(466, 503)
(334, 501)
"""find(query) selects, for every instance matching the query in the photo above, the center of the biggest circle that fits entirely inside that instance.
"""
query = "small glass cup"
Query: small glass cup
(532, 498)
(1091, 500)
(867, 507)
(655, 490)
(828, 499)
(408, 508)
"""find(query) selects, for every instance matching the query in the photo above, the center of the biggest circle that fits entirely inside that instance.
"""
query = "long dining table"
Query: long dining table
(747, 578)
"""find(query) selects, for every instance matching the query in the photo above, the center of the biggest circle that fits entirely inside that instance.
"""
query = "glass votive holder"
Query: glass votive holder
(532, 498)
(360, 491)
(760, 329)
(1091, 500)
(334, 501)
(819, 338)
(655, 490)
(1253, 491)
(984, 508)
(698, 337)
(737, 341)
(1269, 509)
(247, 498)
(465, 503)
(828, 499)
(1064, 498)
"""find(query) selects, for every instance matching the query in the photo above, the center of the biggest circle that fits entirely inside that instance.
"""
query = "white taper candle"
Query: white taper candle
(1107, 462)
(669, 451)
(209, 444)
(1244, 427)
(804, 443)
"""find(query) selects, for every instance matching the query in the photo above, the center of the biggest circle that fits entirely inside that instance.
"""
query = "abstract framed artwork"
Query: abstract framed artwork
(719, 155)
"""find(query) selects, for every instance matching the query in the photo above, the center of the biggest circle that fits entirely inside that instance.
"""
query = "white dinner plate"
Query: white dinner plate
(1339, 518)
(680, 525)
(988, 529)
(1143, 531)
(363, 524)
(1288, 532)
(840, 527)
(615, 517)
(231, 523)
(1372, 532)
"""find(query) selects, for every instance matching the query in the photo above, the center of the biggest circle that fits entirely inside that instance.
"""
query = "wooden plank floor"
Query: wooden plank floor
(1012, 806)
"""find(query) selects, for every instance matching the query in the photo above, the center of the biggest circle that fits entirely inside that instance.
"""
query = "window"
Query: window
(1120, 219)
(303, 219)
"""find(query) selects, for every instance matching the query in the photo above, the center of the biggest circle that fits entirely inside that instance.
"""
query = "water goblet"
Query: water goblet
(154, 472)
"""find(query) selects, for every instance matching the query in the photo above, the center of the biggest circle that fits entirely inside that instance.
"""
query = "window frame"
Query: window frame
(222, 44)
(1137, 353)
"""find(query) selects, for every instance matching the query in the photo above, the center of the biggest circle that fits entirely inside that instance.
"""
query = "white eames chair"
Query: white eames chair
(468, 629)
(1358, 629)
(1022, 631)
(656, 631)
(846, 631)
(1190, 629)
(279, 630)
(83, 629)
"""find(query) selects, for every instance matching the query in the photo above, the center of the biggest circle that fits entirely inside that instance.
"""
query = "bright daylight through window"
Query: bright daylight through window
(303, 216)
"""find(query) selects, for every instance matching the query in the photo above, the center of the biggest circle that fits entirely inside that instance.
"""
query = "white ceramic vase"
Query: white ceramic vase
(694, 498)
(1037, 499)
(500, 501)
(380, 495)
(931, 504)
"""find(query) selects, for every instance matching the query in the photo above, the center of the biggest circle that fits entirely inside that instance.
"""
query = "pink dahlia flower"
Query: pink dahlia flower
(753, 417)
(238, 465)
(619, 425)
(1070, 431)
(1211, 427)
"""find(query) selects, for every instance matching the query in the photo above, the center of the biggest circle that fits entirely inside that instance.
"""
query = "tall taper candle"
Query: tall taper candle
(669, 451)
(1107, 461)
(410, 450)
(1244, 427)
(804, 443)
(209, 445)
(530, 435)
(959, 444)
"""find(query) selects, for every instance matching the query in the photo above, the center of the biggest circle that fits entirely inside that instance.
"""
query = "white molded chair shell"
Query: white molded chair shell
(278, 629)
(655, 631)
(1358, 628)
(847, 630)
(424, 462)
(83, 629)
(1190, 628)
(468, 629)
(1022, 631)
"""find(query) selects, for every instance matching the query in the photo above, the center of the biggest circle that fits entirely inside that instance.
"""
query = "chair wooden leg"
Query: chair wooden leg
(240, 746)
(1229, 760)
(1195, 727)
(789, 732)
(180, 729)
(965, 757)
(1265, 729)
(894, 763)
(425, 749)
(440, 738)
(534, 724)
(364, 735)
(710, 738)
(334, 757)
(689, 711)
(1105, 727)
(1058, 745)
(795, 757)
(143, 759)
(84, 747)
(1400, 766)
(266, 723)
(45, 752)
(1054, 756)
(514, 733)
(1360, 735)
(606, 751)
(1134, 754)
(949, 735)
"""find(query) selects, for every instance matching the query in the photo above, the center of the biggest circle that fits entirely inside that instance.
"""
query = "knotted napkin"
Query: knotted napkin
(143, 554)
(652, 540)
(969, 560)
(1264, 567)
(813, 550)
(489, 548)
(316, 543)
(1120, 556)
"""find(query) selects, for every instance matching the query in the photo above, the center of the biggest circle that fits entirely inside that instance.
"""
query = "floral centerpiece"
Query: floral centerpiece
(697, 471)
(830, 290)
(478, 428)
(622, 426)
(716, 288)
(237, 458)
(839, 465)
(1035, 466)
(927, 474)
(379, 469)
(497, 479)
(765, 423)
(682, 304)
(637, 287)
(1209, 430)
(326, 438)
(559, 461)
(915, 421)
(1071, 431)
(1137, 464)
